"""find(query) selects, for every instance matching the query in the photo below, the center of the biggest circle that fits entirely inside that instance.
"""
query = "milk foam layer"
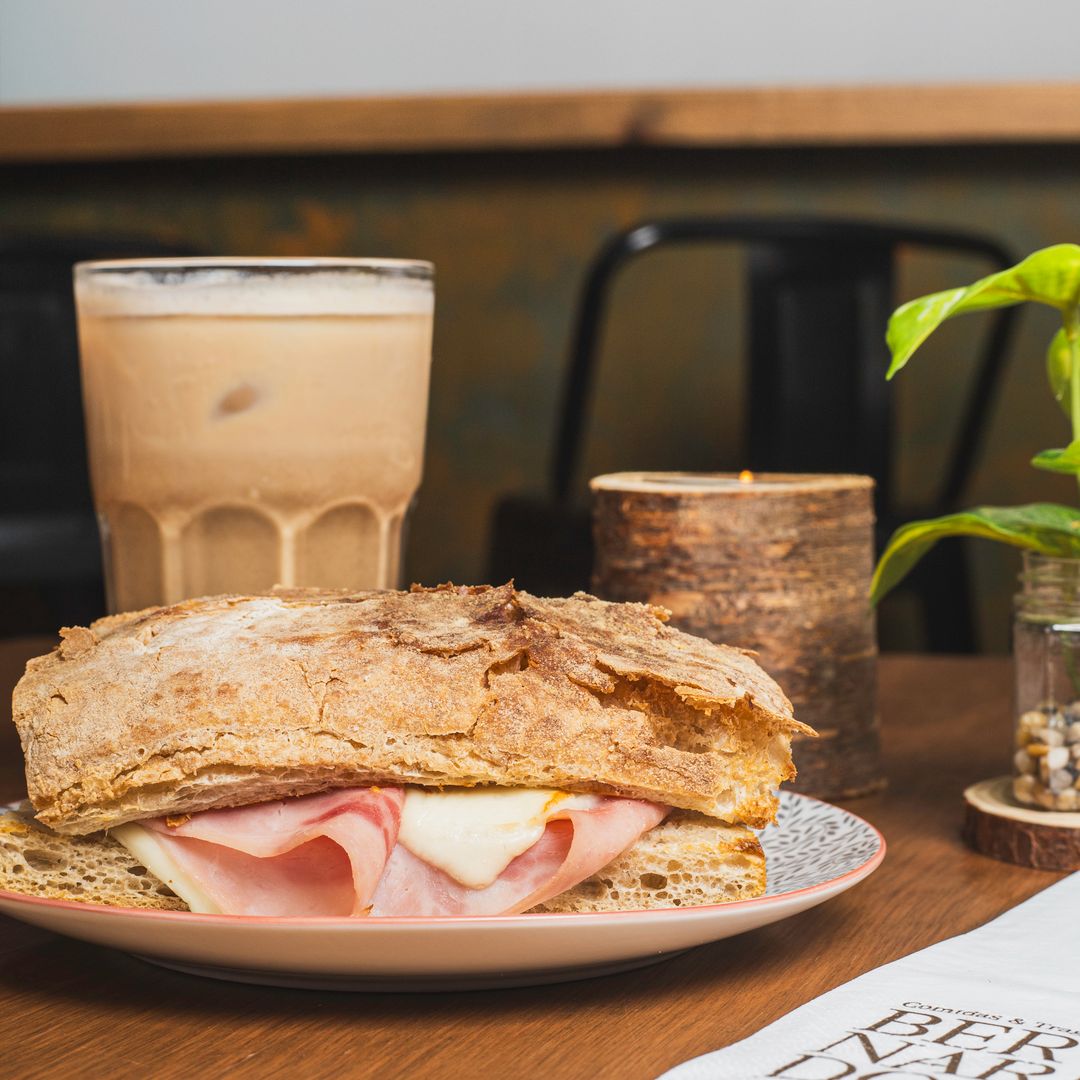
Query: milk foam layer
(262, 287)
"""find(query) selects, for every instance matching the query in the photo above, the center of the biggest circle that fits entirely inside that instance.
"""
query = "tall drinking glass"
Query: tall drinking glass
(253, 422)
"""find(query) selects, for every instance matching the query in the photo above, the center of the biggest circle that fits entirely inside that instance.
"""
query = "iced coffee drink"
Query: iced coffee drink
(253, 423)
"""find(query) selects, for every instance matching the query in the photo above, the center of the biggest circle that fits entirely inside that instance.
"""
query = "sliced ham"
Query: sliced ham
(575, 844)
(337, 854)
(312, 855)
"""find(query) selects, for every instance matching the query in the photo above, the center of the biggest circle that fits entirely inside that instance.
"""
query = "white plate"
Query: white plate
(814, 852)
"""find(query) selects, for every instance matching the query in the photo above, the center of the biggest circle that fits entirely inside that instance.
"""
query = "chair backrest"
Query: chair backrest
(820, 293)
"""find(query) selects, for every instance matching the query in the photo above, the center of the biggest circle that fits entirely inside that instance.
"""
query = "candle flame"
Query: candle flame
(746, 477)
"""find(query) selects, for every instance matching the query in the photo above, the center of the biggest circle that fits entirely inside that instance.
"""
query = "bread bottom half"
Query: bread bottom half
(687, 860)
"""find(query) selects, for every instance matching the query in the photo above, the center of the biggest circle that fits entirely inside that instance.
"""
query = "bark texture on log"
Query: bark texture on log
(780, 565)
(996, 826)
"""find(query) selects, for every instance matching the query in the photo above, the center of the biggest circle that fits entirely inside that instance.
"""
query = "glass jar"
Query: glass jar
(1046, 650)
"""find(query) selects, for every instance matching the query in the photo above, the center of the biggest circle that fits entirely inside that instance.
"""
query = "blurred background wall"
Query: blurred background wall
(511, 232)
(131, 50)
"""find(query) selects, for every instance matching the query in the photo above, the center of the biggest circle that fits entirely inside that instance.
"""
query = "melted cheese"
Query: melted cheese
(145, 845)
(474, 834)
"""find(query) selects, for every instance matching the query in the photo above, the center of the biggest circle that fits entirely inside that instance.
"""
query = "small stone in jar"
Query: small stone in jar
(1024, 789)
(1024, 762)
(1047, 757)
(1027, 725)
(1067, 800)
(1045, 799)
(1060, 779)
(1057, 757)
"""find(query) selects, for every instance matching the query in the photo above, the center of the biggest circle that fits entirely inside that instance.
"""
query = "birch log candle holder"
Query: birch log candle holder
(776, 563)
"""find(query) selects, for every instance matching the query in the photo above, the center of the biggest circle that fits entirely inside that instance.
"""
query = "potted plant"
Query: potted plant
(1047, 626)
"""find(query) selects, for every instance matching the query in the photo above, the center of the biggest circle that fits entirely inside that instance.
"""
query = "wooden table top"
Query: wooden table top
(72, 1009)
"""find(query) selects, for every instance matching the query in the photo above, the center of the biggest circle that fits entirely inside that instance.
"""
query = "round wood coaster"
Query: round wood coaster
(999, 826)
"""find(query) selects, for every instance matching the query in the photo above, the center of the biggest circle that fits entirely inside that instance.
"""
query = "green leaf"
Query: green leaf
(1065, 461)
(1047, 528)
(1050, 276)
(1059, 368)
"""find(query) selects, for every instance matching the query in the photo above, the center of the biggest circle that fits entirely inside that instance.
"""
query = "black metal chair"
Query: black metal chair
(820, 292)
(50, 559)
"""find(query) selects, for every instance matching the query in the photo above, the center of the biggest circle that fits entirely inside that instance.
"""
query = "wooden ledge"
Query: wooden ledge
(826, 116)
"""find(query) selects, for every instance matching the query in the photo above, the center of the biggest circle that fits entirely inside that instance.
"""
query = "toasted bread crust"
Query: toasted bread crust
(224, 701)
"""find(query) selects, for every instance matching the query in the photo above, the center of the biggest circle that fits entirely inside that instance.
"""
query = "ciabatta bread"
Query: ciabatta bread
(93, 869)
(232, 700)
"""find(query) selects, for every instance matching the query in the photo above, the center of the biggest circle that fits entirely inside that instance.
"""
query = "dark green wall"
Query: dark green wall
(510, 235)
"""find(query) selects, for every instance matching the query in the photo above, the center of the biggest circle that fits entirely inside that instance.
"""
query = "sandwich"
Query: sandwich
(442, 751)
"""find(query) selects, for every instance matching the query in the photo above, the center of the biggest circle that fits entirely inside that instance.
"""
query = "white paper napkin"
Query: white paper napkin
(1000, 1003)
